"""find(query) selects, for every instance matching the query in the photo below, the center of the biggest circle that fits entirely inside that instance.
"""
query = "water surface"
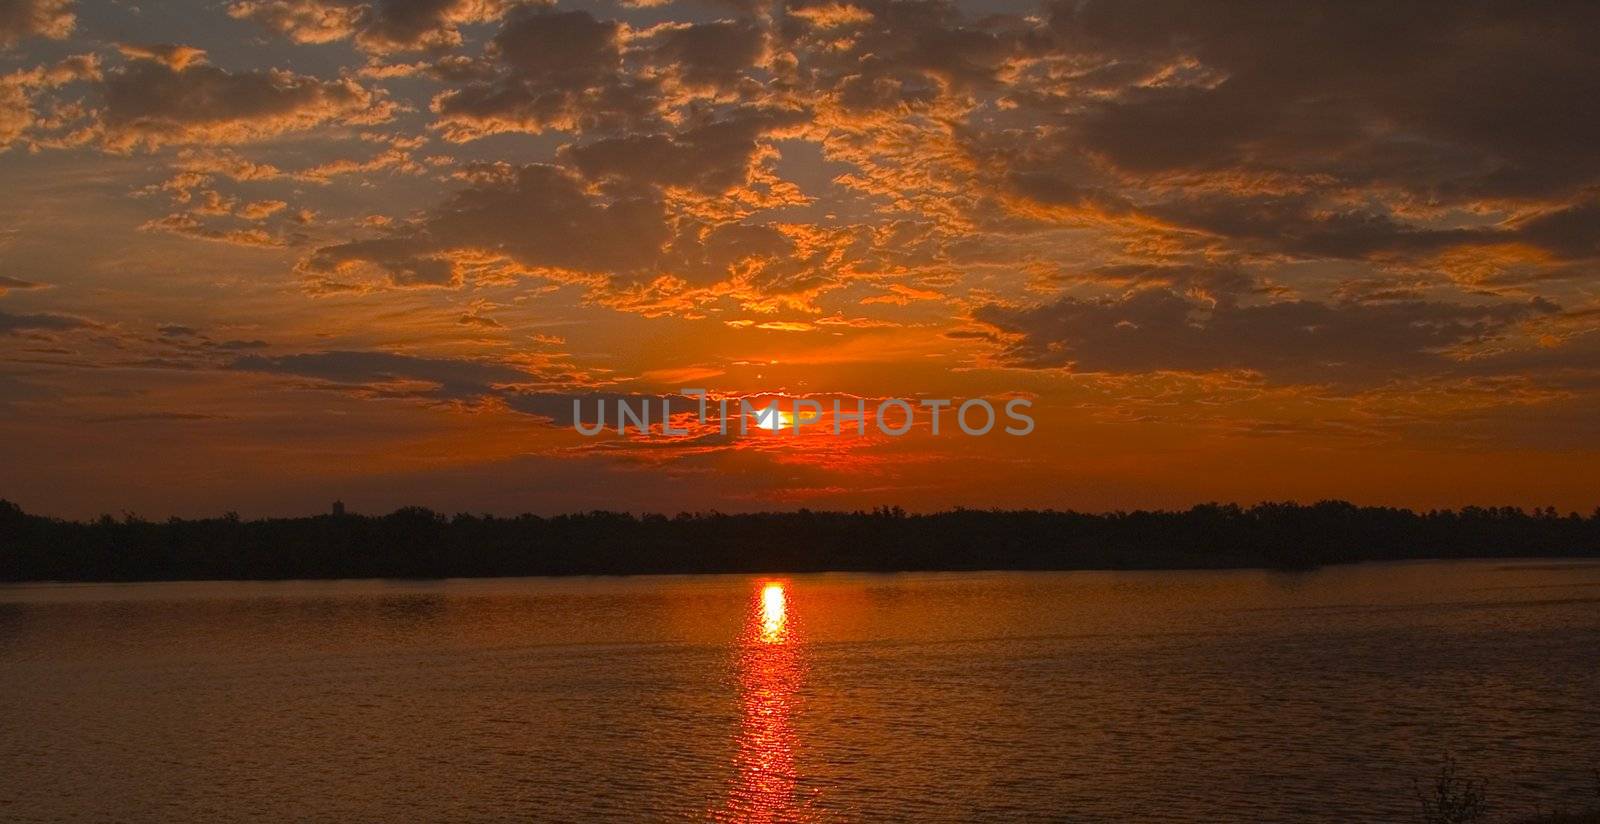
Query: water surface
(1081, 696)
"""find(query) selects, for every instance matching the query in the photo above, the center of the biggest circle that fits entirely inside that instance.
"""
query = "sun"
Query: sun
(772, 418)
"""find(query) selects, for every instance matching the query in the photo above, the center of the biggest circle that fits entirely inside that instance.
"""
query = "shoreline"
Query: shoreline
(420, 544)
(1529, 562)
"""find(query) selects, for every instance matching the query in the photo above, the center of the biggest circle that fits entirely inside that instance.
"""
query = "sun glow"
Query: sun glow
(774, 419)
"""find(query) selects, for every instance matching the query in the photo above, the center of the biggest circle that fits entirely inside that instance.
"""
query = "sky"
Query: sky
(257, 255)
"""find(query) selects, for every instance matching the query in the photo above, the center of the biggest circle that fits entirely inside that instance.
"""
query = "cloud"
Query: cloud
(19, 89)
(1306, 228)
(175, 57)
(393, 375)
(538, 217)
(893, 54)
(1155, 330)
(571, 71)
(187, 225)
(1213, 281)
(8, 284)
(1571, 231)
(150, 103)
(900, 294)
(16, 112)
(454, 378)
(407, 25)
(715, 55)
(1447, 99)
(710, 158)
(482, 321)
(303, 21)
(558, 408)
(138, 417)
(261, 209)
(379, 27)
(20, 19)
(1216, 189)
(43, 322)
(557, 70)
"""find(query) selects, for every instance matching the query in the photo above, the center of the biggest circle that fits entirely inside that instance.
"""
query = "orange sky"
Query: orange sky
(260, 254)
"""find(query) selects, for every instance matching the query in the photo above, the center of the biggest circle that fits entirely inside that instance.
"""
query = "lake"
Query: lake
(1313, 696)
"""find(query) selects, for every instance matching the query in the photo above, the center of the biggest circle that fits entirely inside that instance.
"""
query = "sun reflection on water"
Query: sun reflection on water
(774, 614)
(770, 671)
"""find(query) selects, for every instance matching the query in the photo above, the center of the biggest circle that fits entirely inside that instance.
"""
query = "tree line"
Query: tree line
(414, 542)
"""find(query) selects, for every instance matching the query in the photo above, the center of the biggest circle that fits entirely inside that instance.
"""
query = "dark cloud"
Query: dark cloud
(538, 216)
(716, 55)
(393, 375)
(1297, 224)
(43, 322)
(450, 378)
(481, 321)
(571, 71)
(391, 25)
(1157, 329)
(379, 26)
(1442, 98)
(710, 158)
(1055, 189)
(1216, 282)
(597, 407)
(140, 417)
(405, 260)
(8, 283)
(558, 70)
(1398, 135)
(150, 103)
(885, 54)
(1570, 232)
(559, 48)
(1301, 226)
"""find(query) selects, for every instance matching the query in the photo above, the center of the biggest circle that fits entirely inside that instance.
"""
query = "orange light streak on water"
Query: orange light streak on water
(770, 672)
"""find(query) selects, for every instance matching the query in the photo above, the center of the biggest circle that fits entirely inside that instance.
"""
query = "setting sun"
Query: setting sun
(774, 419)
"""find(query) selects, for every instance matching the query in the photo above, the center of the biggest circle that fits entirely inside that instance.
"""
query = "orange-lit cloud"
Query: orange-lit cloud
(382, 245)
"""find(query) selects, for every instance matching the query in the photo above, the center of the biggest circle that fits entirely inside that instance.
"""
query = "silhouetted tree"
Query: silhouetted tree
(417, 542)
